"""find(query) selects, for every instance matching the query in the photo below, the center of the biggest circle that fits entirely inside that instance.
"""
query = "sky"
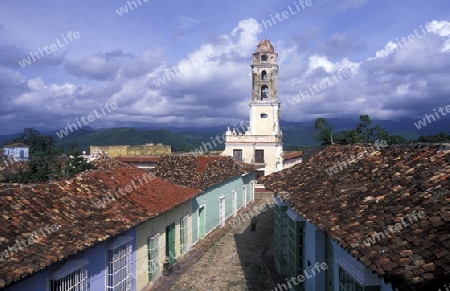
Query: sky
(172, 63)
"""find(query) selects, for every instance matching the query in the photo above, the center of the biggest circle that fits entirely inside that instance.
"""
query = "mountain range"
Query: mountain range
(295, 134)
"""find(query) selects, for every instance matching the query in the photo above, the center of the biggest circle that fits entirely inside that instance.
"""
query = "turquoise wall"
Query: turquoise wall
(210, 198)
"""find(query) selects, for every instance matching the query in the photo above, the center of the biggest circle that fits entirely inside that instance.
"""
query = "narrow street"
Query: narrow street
(233, 258)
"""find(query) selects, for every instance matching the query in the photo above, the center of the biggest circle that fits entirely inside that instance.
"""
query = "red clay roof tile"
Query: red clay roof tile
(374, 192)
(200, 172)
(72, 204)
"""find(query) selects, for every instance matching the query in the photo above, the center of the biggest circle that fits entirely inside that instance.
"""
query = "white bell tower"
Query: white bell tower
(264, 105)
(262, 143)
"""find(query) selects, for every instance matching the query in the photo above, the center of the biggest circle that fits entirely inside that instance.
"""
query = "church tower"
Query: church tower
(261, 144)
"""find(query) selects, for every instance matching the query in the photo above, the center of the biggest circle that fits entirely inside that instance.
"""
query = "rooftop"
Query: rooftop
(265, 46)
(72, 204)
(292, 155)
(16, 145)
(377, 190)
(138, 159)
(200, 171)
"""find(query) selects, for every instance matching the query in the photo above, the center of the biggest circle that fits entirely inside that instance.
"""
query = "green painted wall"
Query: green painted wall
(210, 198)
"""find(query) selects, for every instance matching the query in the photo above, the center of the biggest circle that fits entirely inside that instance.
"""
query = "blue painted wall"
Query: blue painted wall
(96, 269)
(340, 253)
(315, 241)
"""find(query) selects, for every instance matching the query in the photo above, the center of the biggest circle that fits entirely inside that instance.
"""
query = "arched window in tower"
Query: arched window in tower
(264, 75)
(265, 92)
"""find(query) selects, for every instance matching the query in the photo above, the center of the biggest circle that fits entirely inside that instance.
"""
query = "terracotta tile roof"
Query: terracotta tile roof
(15, 145)
(139, 159)
(11, 166)
(292, 155)
(73, 205)
(108, 163)
(200, 171)
(371, 194)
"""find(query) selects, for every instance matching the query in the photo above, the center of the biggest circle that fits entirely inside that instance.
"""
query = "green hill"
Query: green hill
(293, 136)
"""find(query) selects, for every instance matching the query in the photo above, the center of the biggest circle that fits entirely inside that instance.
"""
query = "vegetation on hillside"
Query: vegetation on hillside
(45, 162)
(365, 132)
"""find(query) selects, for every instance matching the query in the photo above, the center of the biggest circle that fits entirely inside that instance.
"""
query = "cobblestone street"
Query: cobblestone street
(233, 259)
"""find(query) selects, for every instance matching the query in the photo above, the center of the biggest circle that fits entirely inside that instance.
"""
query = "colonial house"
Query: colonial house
(86, 233)
(359, 218)
(107, 229)
(292, 158)
(17, 151)
(226, 184)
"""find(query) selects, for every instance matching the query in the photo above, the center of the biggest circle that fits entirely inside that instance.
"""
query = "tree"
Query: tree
(440, 137)
(75, 162)
(378, 133)
(325, 131)
(349, 137)
(363, 133)
(45, 162)
(396, 139)
(363, 128)
(38, 143)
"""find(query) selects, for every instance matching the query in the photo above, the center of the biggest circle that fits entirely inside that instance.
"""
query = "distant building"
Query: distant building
(18, 151)
(261, 144)
(148, 149)
(143, 162)
(292, 158)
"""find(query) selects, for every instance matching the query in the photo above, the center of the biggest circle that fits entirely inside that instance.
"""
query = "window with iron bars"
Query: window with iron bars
(119, 271)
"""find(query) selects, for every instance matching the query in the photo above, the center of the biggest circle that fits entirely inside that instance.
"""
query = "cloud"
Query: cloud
(103, 66)
(340, 45)
(213, 86)
(10, 56)
(392, 87)
(247, 32)
(11, 85)
(145, 63)
(352, 4)
(184, 22)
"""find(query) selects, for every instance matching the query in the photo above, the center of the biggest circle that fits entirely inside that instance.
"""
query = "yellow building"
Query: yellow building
(152, 237)
(132, 150)
(261, 144)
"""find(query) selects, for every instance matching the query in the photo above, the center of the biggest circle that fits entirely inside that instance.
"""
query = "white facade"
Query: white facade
(17, 151)
(261, 144)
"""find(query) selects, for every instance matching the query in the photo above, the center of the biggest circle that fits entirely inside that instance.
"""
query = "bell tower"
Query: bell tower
(261, 144)
(264, 104)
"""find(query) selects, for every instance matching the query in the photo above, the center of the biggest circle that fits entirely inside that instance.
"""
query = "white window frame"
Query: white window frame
(252, 189)
(118, 264)
(244, 196)
(234, 202)
(153, 257)
(198, 222)
(222, 211)
(184, 234)
(71, 276)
